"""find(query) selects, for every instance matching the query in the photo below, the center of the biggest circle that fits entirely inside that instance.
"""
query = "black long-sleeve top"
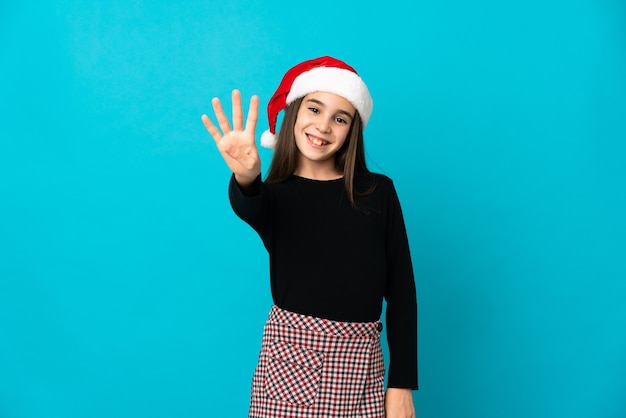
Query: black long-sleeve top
(330, 260)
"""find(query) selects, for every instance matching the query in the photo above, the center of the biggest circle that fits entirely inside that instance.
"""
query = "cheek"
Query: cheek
(296, 126)
(344, 135)
(299, 123)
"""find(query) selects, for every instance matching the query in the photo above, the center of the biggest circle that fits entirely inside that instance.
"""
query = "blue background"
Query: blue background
(128, 288)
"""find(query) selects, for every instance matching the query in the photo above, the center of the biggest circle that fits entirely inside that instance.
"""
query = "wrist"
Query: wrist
(245, 180)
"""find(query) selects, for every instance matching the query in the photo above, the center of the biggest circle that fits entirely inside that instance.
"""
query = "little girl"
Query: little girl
(337, 244)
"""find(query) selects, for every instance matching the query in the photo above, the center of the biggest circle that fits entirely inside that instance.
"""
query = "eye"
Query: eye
(341, 121)
(314, 110)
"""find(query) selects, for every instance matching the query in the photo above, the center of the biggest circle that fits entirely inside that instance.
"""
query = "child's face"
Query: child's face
(322, 125)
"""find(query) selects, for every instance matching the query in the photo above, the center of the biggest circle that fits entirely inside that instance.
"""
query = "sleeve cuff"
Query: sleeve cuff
(251, 190)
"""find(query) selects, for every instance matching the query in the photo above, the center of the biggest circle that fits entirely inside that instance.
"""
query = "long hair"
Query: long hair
(349, 159)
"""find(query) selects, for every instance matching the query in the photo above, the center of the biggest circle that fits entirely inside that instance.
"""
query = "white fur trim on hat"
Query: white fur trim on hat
(339, 81)
(268, 139)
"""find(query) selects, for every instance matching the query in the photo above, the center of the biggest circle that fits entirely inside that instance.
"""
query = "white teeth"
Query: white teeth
(317, 142)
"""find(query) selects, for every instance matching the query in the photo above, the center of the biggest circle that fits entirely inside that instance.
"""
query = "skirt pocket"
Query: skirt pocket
(293, 373)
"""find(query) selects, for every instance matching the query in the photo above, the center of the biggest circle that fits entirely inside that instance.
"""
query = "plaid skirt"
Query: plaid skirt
(312, 367)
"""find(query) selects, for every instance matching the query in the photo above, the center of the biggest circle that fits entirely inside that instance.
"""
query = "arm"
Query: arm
(238, 148)
(401, 315)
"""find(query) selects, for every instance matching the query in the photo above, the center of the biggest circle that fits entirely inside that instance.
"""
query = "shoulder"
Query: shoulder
(375, 191)
(383, 179)
(377, 180)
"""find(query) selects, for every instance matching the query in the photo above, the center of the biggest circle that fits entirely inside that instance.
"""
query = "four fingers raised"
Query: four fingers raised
(237, 117)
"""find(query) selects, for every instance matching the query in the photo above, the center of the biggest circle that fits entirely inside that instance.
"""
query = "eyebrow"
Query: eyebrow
(344, 112)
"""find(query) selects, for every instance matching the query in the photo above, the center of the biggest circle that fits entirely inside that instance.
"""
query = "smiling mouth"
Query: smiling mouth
(317, 141)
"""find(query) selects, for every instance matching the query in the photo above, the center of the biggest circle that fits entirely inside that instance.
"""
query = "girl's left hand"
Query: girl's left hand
(399, 403)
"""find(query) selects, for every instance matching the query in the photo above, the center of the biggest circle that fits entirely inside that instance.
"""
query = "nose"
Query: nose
(323, 126)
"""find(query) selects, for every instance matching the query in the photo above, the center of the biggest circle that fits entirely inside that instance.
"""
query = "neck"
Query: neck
(326, 171)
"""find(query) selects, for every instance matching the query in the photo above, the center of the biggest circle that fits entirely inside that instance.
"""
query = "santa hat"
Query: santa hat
(325, 74)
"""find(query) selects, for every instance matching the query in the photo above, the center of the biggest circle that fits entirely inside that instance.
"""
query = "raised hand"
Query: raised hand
(237, 144)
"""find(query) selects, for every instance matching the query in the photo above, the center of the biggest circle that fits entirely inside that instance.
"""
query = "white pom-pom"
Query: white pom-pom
(268, 139)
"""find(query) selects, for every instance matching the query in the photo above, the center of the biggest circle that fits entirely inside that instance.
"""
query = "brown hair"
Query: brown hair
(349, 159)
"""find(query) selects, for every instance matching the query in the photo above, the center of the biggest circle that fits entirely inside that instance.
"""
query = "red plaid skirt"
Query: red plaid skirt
(313, 367)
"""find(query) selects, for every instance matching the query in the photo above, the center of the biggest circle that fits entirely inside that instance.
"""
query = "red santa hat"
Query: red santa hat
(325, 74)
